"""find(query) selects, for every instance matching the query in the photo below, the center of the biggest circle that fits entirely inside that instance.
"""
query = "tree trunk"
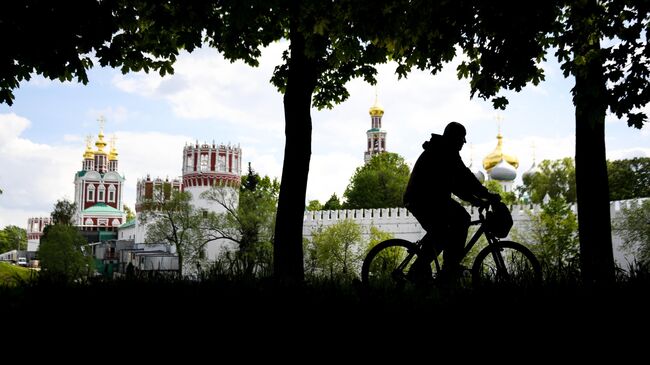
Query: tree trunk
(590, 99)
(301, 81)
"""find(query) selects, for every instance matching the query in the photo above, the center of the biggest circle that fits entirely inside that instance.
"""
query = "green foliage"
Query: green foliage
(63, 212)
(248, 222)
(377, 236)
(380, 183)
(556, 178)
(493, 186)
(174, 220)
(314, 205)
(629, 179)
(129, 213)
(61, 252)
(333, 203)
(336, 251)
(13, 238)
(553, 236)
(634, 229)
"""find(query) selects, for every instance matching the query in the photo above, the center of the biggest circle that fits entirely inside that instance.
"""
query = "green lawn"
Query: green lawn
(12, 274)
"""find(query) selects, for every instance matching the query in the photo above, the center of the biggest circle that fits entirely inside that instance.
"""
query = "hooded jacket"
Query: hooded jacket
(439, 172)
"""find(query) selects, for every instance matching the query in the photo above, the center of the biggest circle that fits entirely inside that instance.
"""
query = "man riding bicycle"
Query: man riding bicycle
(439, 172)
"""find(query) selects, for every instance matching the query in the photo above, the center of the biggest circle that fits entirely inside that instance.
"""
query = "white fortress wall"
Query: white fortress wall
(402, 224)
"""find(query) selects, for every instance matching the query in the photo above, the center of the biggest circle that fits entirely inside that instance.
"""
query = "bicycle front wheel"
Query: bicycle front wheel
(506, 262)
(386, 264)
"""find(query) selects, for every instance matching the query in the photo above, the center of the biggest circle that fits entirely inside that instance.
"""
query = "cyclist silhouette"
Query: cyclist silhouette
(439, 172)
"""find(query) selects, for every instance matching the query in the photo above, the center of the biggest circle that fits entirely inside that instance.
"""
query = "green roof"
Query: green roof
(102, 208)
(128, 224)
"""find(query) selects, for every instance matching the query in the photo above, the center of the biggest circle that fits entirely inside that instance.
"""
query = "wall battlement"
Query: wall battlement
(402, 224)
(519, 212)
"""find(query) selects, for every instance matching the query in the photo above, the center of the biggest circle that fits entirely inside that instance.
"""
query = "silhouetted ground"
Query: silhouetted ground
(330, 317)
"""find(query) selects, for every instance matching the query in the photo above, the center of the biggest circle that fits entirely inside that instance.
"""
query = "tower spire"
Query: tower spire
(376, 137)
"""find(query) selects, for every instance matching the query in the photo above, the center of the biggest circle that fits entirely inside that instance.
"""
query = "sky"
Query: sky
(42, 135)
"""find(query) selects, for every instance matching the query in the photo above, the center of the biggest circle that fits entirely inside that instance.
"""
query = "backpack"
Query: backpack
(498, 220)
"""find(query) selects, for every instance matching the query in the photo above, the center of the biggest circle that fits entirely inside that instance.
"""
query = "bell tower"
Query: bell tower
(376, 137)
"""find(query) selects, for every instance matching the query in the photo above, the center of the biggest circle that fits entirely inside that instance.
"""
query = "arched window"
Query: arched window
(204, 162)
(111, 194)
(222, 163)
(101, 193)
(90, 193)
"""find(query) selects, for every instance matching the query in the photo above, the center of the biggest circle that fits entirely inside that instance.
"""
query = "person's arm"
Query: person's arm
(469, 188)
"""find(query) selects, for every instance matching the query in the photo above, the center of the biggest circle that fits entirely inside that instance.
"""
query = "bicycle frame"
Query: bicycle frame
(468, 245)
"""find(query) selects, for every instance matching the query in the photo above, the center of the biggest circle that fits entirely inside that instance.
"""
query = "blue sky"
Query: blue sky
(42, 134)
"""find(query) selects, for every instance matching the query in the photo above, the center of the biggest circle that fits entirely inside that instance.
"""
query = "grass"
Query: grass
(11, 275)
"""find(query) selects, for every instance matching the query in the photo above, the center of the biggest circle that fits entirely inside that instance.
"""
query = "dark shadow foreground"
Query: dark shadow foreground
(324, 315)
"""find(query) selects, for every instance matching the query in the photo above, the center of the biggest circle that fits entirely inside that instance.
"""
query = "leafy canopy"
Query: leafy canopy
(380, 183)
(61, 252)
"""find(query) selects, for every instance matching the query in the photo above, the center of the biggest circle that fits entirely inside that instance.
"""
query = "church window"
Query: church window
(89, 222)
(90, 193)
(222, 163)
(100, 193)
(115, 222)
(188, 158)
(111, 194)
(204, 162)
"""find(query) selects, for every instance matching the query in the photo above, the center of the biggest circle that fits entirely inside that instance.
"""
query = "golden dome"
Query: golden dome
(89, 154)
(100, 143)
(112, 156)
(376, 110)
(497, 155)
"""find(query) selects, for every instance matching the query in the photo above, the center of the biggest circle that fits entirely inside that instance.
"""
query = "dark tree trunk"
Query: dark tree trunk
(301, 81)
(589, 96)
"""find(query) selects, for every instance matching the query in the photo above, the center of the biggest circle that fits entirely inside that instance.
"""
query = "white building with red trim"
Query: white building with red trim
(98, 189)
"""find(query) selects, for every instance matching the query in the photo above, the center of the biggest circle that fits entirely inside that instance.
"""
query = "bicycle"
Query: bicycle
(388, 262)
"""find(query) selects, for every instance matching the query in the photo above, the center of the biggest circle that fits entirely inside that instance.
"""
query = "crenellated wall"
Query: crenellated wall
(402, 224)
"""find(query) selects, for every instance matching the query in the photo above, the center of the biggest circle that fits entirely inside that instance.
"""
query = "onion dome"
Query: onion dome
(503, 171)
(480, 176)
(112, 155)
(376, 110)
(532, 171)
(89, 154)
(100, 143)
(491, 160)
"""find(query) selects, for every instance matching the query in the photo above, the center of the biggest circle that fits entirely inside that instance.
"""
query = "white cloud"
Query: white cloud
(209, 98)
(206, 86)
(32, 176)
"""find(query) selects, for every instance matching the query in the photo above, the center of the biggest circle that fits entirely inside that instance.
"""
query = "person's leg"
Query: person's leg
(420, 271)
(458, 226)
(430, 219)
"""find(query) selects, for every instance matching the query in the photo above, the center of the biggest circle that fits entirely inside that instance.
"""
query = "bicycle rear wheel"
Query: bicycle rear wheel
(506, 262)
(386, 264)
